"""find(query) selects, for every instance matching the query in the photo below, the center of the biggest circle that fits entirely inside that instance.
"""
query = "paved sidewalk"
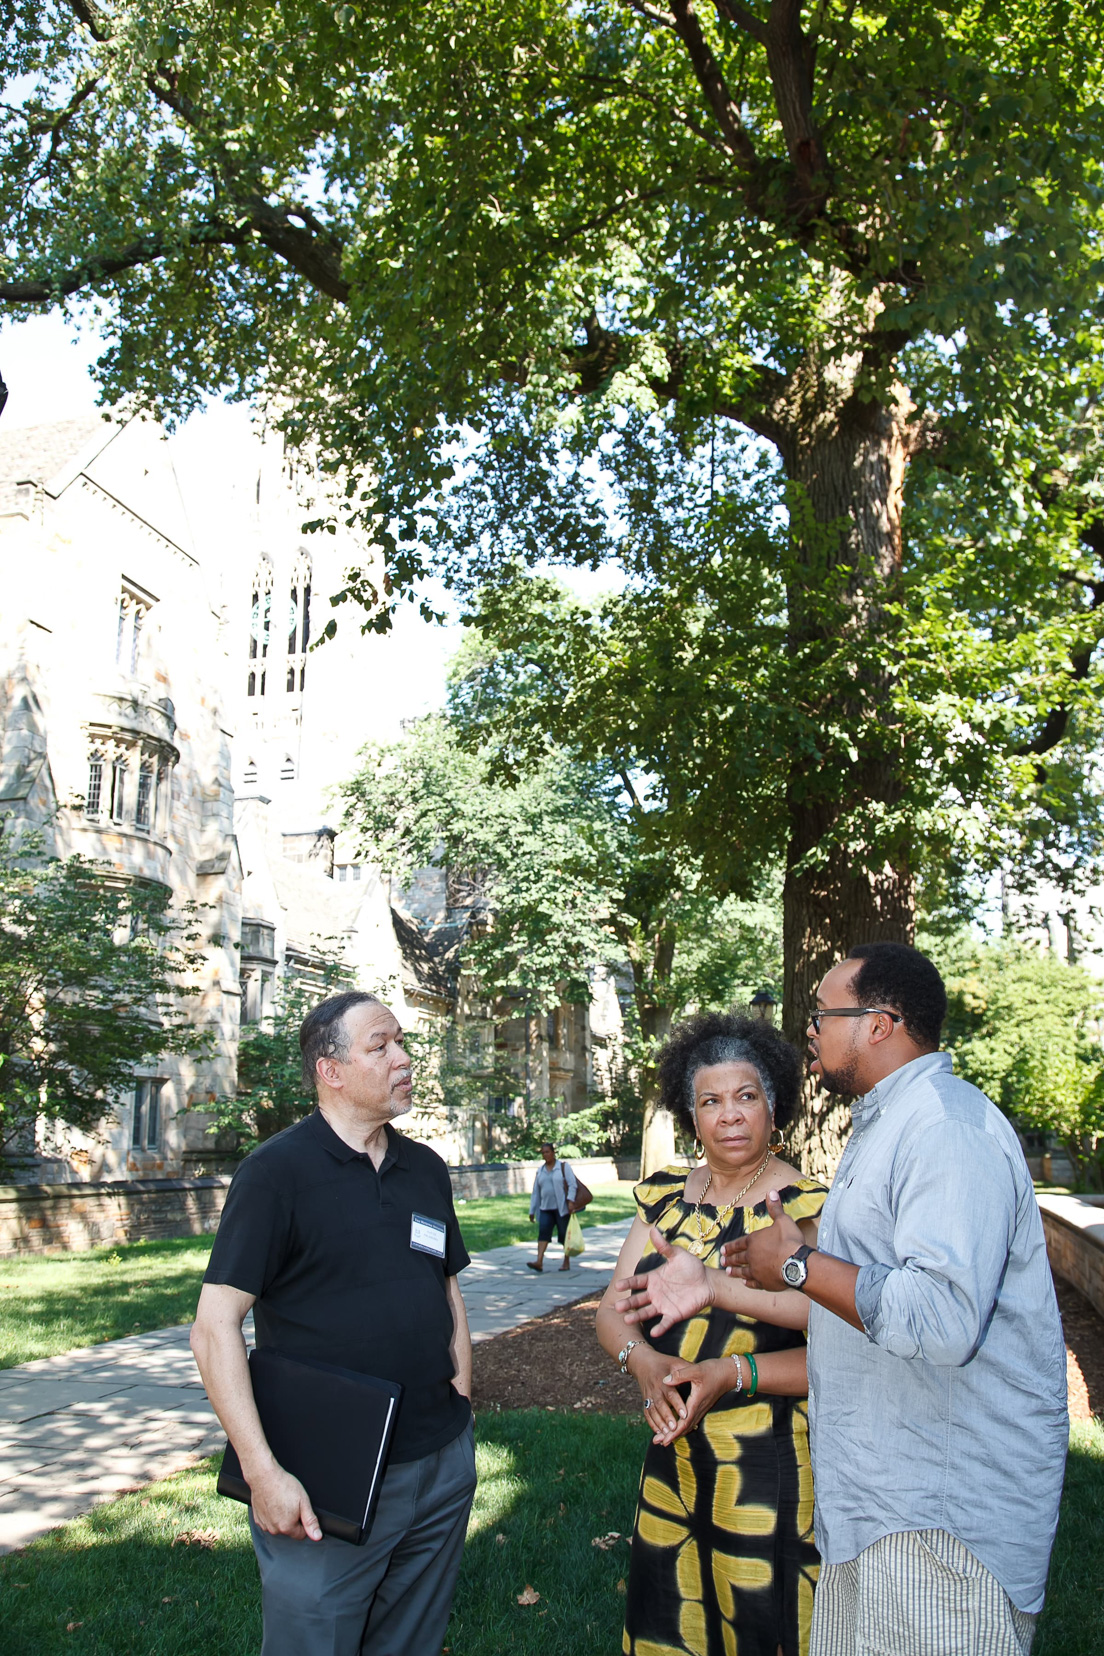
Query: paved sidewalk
(78, 1429)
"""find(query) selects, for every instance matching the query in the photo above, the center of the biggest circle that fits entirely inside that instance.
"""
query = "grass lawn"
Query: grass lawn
(1072, 1624)
(549, 1484)
(56, 1302)
(132, 1592)
(492, 1221)
(51, 1303)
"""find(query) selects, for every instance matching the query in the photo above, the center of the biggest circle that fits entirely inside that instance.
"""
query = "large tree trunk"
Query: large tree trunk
(657, 1145)
(848, 878)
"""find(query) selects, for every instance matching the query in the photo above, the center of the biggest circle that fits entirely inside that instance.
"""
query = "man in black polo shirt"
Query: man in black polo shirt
(340, 1235)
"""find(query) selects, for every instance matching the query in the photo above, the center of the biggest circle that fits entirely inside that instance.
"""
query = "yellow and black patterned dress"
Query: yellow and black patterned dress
(723, 1558)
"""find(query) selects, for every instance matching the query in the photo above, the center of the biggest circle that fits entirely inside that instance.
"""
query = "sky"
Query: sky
(46, 364)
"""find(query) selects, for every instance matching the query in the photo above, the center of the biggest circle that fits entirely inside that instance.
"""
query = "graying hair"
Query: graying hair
(323, 1033)
(726, 1049)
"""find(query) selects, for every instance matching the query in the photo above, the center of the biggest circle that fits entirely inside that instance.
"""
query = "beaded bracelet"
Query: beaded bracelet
(754, 1387)
(739, 1372)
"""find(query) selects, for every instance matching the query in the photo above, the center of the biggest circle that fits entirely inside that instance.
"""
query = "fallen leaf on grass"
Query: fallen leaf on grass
(197, 1537)
(621, 1586)
(71, 1627)
(530, 1595)
(607, 1541)
(501, 1540)
(169, 1600)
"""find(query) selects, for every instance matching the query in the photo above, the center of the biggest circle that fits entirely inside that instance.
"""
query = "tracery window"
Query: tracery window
(113, 759)
(143, 804)
(130, 618)
(260, 628)
(118, 790)
(287, 769)
(93, 799)
(299, 623)
(249, 775)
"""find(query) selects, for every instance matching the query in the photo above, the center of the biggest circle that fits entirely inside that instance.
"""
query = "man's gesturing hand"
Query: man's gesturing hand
(674, 1291)
(281, 1506)
(760, 1256)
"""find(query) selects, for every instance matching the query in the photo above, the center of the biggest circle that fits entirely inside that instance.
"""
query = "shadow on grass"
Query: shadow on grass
(1072, 1622)
(549, 1485)
(58, 1302)
(117, 1578)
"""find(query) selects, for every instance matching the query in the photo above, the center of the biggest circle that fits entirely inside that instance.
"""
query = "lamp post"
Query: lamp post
(763, 1005)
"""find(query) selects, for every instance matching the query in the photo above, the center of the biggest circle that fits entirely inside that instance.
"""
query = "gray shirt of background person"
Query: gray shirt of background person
(548, 1189)
(972, 1437)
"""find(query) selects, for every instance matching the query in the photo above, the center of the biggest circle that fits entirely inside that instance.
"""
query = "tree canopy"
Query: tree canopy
(94, 978)
(791, 310)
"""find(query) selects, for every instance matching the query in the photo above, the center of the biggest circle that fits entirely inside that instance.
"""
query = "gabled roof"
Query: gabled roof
(36, 454)
(430, 955)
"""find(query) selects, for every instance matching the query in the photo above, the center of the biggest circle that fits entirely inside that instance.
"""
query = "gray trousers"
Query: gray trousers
(390, 1597)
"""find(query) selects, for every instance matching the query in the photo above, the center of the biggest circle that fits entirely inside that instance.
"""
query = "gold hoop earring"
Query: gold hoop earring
(699, 1149)
(777, 1139)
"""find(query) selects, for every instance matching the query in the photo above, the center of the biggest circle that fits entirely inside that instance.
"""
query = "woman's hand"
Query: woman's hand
(675, 1291)
(664, 1409)
(708, 1381)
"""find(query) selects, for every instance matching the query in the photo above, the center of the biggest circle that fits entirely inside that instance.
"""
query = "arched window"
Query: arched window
(118, 789)
(249, 774)
(260, 627)
(287, 769)
(93, 799)
(143, 804)
(299, 623)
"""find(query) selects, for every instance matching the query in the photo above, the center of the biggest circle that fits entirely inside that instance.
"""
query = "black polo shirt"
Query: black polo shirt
(323, 1242)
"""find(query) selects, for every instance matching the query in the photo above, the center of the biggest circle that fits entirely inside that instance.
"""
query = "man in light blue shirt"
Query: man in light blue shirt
(937, 1376)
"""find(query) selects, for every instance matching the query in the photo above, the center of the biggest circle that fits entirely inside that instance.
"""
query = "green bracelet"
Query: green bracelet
(754, 1387)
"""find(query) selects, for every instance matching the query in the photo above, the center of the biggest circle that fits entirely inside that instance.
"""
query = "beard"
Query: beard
(401, 1102)
(843, 1079)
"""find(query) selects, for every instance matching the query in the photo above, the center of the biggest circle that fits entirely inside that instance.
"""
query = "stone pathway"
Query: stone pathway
(78, 1429)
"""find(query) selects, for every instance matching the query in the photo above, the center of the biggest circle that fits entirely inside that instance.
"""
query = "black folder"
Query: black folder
(330, 1428)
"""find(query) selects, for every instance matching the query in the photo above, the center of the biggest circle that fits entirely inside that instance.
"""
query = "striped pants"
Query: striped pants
(918, 1593)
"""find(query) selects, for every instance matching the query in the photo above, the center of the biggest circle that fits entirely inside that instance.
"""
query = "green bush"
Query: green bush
(1025, 1027)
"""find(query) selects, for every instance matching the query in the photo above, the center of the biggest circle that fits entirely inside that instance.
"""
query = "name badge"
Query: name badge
(427, 1235)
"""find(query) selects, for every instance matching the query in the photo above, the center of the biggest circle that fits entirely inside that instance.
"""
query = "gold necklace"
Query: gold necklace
(701, 1246)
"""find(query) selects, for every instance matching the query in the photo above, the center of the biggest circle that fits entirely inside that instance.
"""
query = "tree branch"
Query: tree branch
(652, 13)
(743, 19)
(1057, 720)
(94, 20)
(712, 83)
(146, 250)
(789, 59)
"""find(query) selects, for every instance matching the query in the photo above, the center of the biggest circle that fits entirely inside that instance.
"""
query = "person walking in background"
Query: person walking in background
(554, 1189)
(937, 1368)
(341, 1235)
(723, 1558)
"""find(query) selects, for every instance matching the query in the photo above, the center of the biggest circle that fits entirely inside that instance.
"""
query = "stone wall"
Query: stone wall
(72, 1217)
(516, 1178)
(1074, 1227)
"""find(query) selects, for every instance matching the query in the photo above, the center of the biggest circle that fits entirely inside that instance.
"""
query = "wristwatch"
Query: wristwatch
(795, 1270)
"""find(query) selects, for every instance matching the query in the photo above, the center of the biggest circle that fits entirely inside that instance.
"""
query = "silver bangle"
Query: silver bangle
(739, 1371)
(623, 1354)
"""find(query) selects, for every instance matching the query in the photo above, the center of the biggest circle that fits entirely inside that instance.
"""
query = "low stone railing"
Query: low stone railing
(1074, 1227)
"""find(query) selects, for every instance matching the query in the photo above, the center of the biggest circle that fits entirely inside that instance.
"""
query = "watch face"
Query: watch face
(795, 1272)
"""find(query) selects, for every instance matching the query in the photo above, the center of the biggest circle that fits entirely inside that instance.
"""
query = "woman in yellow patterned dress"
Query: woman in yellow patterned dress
(723, 1558)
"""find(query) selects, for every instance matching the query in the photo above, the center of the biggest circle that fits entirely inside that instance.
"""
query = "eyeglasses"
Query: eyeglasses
(850, 1012)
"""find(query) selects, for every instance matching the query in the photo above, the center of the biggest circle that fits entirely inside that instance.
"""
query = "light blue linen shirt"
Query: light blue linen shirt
(949, 1412)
